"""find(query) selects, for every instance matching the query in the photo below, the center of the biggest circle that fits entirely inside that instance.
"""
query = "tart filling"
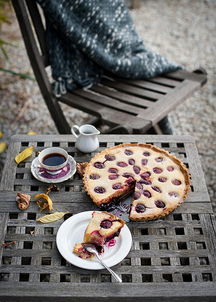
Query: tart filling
(159, 181)
(80, 250)
(102, 228)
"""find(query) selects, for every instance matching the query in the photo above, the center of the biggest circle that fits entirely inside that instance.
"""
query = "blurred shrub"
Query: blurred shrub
(4, 18)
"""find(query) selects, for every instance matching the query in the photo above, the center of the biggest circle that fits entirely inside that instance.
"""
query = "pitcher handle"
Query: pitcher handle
(75, 127)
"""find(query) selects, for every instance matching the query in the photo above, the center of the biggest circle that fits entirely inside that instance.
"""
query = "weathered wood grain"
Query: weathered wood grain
(124, 97)
(150, 292)
(168, 102)
(167, 255)
(105, 138)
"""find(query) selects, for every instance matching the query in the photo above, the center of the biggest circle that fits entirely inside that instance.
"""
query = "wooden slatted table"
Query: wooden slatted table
(171, 258)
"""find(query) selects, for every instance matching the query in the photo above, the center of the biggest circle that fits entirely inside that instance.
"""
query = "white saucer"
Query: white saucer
(35, 170)
(72, 231)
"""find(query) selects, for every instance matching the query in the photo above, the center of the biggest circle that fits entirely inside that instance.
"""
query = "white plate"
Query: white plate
(72, 232)
(35, 166)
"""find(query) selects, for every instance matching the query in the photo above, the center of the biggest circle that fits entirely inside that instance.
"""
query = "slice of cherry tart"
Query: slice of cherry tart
(102, 228)
(158, 180)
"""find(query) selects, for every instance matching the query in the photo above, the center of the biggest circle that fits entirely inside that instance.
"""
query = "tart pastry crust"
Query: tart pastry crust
(159, 181)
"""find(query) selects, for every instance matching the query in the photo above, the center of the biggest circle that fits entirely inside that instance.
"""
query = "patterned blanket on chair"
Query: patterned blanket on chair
(86, 38)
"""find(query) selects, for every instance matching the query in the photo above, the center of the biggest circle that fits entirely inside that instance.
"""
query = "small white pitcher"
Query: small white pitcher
(87, 138)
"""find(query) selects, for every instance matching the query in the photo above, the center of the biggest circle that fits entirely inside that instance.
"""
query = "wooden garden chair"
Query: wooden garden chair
(127, 106)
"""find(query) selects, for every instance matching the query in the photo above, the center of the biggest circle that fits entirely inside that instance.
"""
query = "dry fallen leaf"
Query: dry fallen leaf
(24, 154)
(23, 200)
(51, 217)
(31, 132)
(3, 146)
(47, 203)
(42, 204)
(8, 243)
(52, 187)
(1, 134)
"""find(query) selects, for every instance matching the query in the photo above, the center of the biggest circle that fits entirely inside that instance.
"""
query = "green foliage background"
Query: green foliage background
(4, 18)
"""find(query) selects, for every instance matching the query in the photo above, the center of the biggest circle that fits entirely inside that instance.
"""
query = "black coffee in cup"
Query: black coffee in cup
(53, 159)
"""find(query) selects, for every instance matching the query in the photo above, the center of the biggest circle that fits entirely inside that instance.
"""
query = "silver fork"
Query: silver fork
(91, 248)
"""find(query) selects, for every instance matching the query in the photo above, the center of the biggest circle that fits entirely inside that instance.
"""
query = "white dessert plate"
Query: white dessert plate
(40, 174)
(72, 231)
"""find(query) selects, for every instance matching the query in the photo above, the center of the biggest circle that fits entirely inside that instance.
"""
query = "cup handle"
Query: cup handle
(75, 127)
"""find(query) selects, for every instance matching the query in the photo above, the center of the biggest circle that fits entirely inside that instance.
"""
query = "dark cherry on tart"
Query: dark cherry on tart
(102, 228)
(159, 180)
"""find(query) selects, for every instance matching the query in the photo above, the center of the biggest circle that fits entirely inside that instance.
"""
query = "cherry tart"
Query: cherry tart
(80, 250)
(158, 181)
(102, 228)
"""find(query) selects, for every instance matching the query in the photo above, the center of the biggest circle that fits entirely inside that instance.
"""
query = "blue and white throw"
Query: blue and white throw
(86, 38)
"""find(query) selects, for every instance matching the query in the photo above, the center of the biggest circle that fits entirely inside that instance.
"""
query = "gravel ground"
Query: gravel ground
(181, 30)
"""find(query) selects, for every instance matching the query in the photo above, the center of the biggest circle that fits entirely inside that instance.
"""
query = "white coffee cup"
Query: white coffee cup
(46, 155)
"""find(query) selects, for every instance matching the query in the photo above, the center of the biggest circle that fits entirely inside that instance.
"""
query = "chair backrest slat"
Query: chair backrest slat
(37, 57)
(38, 26)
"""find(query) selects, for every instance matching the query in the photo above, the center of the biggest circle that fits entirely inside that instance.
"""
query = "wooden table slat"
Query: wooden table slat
(171, 258)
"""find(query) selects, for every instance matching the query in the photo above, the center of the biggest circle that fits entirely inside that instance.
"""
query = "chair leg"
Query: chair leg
(162, 127)
(59, 118)
(157, 129)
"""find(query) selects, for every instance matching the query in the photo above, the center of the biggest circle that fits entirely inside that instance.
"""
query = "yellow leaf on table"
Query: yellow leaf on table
(3, 146)
(31, 132)
(43, 205)
(1, 134)
(24, 154)
(51, 217)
